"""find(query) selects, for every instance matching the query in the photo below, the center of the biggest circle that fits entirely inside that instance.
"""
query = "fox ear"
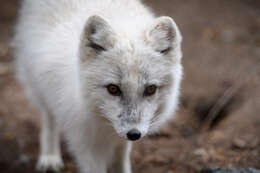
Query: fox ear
(97, 36)
(164, 35)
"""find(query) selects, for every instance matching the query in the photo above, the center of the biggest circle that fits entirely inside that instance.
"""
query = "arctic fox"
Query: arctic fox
(103, 72)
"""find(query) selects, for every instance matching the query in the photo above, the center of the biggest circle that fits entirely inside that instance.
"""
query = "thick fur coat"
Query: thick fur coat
(67, 54)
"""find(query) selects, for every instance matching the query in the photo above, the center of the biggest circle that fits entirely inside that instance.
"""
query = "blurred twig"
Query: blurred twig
(228, 95)
(220, 104)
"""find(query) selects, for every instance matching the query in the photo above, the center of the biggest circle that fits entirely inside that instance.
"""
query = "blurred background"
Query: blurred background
(218, 122)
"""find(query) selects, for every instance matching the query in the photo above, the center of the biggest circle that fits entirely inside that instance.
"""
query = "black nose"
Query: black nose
(133, 135)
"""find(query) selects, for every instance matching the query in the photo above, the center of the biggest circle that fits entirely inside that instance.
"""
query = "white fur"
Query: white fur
(62, 77)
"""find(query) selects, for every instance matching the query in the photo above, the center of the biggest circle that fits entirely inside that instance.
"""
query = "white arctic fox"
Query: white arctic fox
(104, 72)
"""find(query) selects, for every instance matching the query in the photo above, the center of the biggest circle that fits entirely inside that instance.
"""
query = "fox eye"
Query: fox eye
(150, 90)
(113, 90)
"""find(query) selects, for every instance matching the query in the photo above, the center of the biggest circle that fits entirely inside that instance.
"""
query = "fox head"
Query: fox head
(132, 82)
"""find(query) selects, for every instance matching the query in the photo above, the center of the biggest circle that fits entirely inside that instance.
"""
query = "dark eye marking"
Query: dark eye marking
(113, 90)
(165, 51)
(150, 90)
(97, 47)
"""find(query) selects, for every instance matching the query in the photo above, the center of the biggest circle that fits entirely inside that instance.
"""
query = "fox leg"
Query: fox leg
(50, 154)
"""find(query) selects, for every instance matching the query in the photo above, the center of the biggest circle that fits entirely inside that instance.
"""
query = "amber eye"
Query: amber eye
(150, 90)
(113, 90)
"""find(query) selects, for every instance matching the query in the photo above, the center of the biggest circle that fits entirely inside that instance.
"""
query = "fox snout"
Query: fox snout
(133, 135)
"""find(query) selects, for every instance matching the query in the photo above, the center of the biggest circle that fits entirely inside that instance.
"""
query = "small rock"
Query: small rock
(239, 143)
(201, 152)
(216, 154)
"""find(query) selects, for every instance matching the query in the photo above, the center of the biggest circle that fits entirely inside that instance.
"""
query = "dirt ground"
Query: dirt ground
(218, 122)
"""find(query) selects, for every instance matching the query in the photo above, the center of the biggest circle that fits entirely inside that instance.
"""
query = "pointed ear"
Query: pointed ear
(97, 36)
(163, 35)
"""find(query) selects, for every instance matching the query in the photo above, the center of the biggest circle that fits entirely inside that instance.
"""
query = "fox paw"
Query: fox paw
(49, 163)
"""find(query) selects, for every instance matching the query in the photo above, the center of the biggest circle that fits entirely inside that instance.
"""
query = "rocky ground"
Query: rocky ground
(218, 123)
